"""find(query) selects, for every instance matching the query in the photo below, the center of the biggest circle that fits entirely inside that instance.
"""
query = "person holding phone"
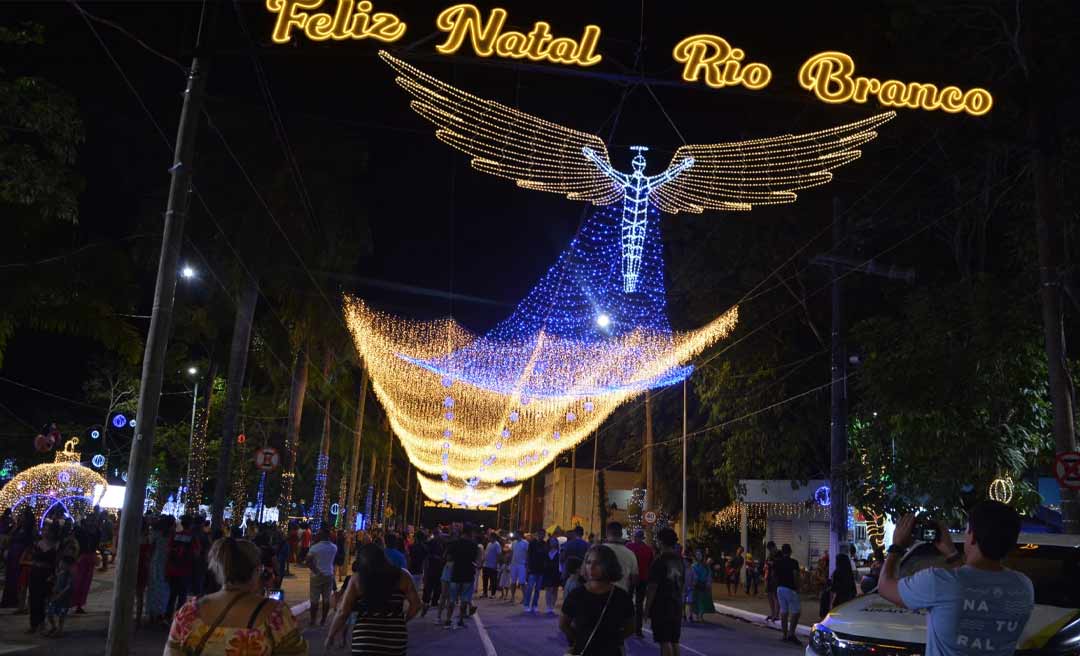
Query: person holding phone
(975, 603)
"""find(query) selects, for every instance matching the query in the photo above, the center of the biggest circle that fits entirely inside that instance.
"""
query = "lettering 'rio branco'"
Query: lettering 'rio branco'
(831, 76)
(350, 20)
(464, 21)
(721, 64)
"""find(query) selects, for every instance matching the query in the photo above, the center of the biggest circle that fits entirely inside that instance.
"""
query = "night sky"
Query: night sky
(435, 223)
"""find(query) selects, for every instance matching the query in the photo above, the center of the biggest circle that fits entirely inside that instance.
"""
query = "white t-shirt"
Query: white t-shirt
(519, 553)
(628, 561)
(323, 554)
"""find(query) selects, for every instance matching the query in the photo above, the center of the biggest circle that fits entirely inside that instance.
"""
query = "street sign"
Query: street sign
(650, 517)
(1067, 469)
(267, 459)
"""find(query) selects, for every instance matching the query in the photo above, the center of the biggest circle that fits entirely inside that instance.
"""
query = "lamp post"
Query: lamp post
(192, 371)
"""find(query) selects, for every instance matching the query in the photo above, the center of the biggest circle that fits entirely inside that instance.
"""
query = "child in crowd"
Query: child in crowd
(444, 595)
(573, 576)
(504, 573)
(60, 601)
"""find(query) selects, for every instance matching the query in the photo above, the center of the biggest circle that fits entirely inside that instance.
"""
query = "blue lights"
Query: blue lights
(95, 434)
(318, 501)
(119, 421)
(558, 330)
(823, 496)
(98, 460)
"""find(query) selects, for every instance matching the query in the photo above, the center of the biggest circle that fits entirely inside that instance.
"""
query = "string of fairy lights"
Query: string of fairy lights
(64, 484)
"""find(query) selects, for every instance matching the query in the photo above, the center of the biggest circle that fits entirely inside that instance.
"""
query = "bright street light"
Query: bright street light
(187, 272)
(603, 320)
(192, 371)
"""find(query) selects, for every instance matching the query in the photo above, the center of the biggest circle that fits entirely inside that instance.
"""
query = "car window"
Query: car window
(1053, 570)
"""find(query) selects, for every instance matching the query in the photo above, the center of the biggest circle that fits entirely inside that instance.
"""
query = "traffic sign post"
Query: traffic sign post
(650, 517)
(267, 459)
(1067, 469)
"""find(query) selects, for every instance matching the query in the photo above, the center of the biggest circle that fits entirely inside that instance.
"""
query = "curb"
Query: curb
(757, 618)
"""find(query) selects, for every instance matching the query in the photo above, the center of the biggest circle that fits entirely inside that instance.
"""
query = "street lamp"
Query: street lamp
(187, 272)
(603, 320)
(192, 371)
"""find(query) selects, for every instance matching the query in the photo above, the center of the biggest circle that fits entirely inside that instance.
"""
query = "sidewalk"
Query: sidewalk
(755, 608)
(85, 634)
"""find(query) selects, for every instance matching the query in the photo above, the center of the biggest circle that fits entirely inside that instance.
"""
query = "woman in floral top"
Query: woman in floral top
(237, 620)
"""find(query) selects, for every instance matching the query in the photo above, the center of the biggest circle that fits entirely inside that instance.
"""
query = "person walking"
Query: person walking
(701, 596)
(627, 559)
(491, 565)
(88, 535)
(644, 554)
(60, 600)
(305, 542)
(503, 584)
(377, 593)
(519, 559)
(734, 571)
(552, 576)
(843, 582)
(157, 592)
(598, 616)
(463, 554)
(751, 574)
(769, 572)
(236, 620)
(320, 560)
(183, 548)
(418, 552)
(433, 571)
(536, 561)
(664, 602)
(19, 542)
(787, 593)
(42, 570)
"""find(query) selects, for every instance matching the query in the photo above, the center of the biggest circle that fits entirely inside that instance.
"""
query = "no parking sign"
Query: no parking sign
(1067, 469)
(267, 459)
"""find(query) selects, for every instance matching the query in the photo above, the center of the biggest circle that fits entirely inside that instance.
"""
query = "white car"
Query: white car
(871, 626)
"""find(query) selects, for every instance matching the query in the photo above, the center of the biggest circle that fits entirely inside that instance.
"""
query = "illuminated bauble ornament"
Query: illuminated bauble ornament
(119, 421)
(823, 496)
(98, 460)
(335, 509)
(132, 423)
(95, 434)
(1001, 489)
(63, 485)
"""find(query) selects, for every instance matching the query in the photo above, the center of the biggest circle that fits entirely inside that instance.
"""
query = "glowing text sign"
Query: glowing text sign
(707, 58)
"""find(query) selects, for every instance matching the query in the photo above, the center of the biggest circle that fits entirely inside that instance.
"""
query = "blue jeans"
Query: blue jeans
(533, 585)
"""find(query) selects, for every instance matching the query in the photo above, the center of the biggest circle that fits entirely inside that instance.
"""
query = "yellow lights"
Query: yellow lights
(759, 512)
(503, 141)
(541, 155)
(350, 20)
(830, 75)
(63, 485)
(720, 63)
(482, 439)
(463, 21)
(738, 175)
(479, 496)
(1002, 489)
(875, 529)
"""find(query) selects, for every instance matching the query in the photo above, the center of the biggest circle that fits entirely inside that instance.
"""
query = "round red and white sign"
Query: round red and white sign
(1067, 469)
(267, 459)
(650, 517)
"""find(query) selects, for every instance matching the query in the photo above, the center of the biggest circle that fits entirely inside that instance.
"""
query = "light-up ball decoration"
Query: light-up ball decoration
(119, 420)
(63, 485)
(1002, 489)
(98, 460)
(95, 434)
(823, 496)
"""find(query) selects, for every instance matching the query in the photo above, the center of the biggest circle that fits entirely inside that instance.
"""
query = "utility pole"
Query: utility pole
(573, 485)
(838, 266)
(647, 456)
(118, 641)
(592, 493)
(354, 471)
(684, 535)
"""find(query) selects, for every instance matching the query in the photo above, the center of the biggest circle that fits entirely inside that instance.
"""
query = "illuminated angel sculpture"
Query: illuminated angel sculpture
(477, 414)
(545, 156)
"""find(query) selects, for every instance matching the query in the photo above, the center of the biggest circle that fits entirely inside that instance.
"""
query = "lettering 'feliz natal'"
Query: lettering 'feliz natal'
(707, 58)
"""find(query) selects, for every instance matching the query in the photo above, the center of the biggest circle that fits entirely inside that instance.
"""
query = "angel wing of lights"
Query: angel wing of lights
(545, 156)
(476, 414)
(503, 141)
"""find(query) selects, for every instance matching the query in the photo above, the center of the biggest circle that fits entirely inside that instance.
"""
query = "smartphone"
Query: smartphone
(926, 530)
(276, 595)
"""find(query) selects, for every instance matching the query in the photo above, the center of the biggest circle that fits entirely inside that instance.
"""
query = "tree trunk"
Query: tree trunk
(322, 463)
(297, 393)
(647, 457)
(238, 354)
(197, 453)
(354, 471)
